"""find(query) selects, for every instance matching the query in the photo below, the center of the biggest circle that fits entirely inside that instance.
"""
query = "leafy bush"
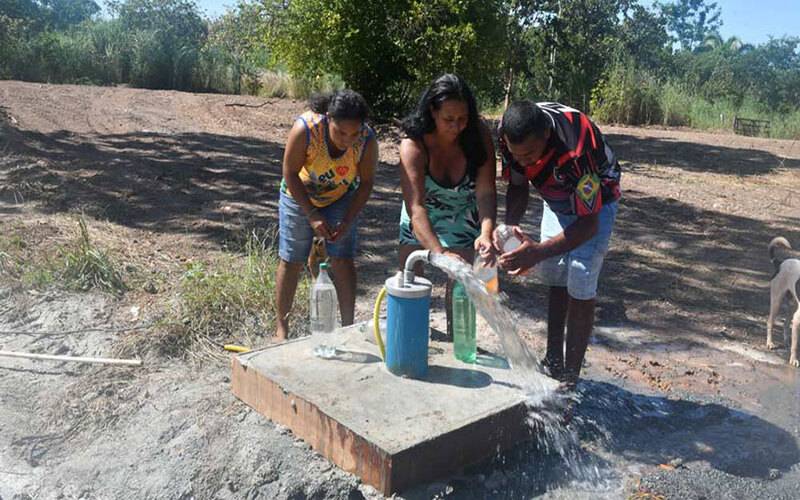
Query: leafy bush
(676, 105)
(627, 95)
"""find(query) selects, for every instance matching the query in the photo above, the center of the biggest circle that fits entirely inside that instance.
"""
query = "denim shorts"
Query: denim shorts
(295, 234)
(578, 269)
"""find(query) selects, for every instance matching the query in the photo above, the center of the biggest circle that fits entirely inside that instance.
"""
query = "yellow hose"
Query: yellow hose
(377, 324)
(235, 348)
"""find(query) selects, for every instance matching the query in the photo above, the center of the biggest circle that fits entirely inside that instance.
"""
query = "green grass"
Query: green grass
(719, 115)
(632, 96)
(682, 109)
(283, 84)
(233, 299)
(79, 265)
(676, 109)
(22, 266)
(85, 267)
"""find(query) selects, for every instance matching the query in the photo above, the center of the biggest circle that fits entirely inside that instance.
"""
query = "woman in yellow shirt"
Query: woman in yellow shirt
(328, 172)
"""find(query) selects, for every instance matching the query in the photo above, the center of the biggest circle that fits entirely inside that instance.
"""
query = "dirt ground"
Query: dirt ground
(680, 398)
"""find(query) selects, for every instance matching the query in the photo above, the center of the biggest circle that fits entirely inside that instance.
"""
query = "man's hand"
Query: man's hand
(498, 244)
(320, 226)
(525, 257)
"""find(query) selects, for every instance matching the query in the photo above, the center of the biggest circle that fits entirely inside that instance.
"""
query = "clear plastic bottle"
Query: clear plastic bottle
(324, 303)
(487, 272)
(508, 241)
(464, 343)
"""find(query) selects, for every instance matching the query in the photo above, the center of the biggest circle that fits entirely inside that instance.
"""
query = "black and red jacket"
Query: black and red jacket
(578, 172)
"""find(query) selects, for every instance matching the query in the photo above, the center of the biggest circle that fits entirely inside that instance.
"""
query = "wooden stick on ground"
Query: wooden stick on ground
(105, 361)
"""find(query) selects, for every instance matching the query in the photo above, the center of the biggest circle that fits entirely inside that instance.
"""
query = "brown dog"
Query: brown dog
(317, 255)
(785, 282)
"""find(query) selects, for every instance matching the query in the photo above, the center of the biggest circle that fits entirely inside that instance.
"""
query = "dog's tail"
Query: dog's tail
(778, 249)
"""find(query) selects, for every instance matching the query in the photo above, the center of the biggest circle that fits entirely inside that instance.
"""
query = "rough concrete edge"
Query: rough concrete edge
(356, 454)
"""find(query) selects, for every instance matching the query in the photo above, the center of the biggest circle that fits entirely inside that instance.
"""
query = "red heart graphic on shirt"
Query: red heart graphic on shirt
(342, 170)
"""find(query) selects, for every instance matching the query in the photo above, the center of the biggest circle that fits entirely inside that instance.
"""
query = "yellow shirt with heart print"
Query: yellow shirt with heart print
(327, 179)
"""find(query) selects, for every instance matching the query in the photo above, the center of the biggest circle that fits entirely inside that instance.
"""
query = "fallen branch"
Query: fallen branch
(231, 104)
(104, 361)
(82, 330)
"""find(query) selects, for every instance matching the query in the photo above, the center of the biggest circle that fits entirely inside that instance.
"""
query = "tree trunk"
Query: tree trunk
(509, 87)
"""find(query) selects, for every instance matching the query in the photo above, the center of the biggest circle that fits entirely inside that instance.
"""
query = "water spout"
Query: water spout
(411, 260)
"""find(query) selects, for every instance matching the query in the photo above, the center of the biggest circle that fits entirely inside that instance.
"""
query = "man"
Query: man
(562, 154)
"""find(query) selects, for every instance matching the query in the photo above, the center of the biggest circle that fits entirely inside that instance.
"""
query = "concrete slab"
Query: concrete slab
(392, 432)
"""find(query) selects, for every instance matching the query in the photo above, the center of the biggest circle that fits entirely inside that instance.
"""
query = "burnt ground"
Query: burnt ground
(681, 399)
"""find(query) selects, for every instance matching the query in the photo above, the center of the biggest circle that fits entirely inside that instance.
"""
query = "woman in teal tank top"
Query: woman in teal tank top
(447, 174)
(451, 210)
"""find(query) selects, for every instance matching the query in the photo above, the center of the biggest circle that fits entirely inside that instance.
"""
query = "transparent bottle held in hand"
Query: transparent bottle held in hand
(508, 241)
(486, 271)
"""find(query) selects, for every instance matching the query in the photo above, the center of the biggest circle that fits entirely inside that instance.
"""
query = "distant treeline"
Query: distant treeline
(621, 61)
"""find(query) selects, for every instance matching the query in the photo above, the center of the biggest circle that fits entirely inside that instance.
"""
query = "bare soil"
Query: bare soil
(681, 399)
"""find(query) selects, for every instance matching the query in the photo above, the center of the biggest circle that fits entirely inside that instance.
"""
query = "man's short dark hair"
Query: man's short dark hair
(524, 119)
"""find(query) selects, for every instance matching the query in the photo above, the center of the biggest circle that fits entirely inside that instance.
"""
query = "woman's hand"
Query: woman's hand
(340, 230)
(485, 248)
(449, 253)
(320, 226)
(525, 257)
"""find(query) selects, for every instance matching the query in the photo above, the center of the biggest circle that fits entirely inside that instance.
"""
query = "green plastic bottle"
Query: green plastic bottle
(464, 343)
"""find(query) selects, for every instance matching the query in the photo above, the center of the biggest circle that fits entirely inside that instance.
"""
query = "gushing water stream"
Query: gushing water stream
(547, 404)
(538, 386)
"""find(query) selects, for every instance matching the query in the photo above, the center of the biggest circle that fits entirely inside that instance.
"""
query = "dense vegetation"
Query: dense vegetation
(626, 63)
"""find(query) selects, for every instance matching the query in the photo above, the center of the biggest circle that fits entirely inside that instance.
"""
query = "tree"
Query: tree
(164, 38)
(389, 50)
(20, 9)
(350, 38)
(49, 14)
(771, 72)
(714, 41)
(466, 37)
(643, 37)
(691, 21)
(62, 14)
(520, 18)
(178, 20)
(239, 33)
(575, 40)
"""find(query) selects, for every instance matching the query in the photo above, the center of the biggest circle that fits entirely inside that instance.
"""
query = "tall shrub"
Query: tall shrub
(627, 95)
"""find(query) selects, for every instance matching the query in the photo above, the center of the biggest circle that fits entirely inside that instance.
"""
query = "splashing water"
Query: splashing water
(325, 351)
(534, 382)
(546, 403)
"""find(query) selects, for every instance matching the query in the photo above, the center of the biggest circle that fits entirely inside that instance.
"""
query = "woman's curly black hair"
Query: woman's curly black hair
(420, 121)
(343, 104)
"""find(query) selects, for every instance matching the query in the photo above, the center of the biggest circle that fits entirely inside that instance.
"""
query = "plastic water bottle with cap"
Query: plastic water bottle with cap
(464, 341)
(324, 303)
(507, 239)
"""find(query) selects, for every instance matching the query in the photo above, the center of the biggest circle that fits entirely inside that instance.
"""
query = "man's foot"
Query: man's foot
(568, 387)
(568, 413)
(553, 369)
(569, 381)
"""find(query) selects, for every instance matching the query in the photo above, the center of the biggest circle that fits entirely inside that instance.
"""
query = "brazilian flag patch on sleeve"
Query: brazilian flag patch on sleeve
(588, 186)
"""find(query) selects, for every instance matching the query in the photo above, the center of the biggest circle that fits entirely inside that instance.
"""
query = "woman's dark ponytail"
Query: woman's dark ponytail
(343, 104)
